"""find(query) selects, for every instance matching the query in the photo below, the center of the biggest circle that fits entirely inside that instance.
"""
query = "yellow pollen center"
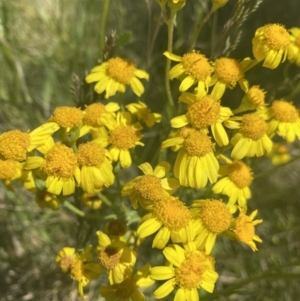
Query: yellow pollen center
(14, 144)
(109, 257)
(284, 111)
(253, 126)
(198, 144)
(244, 228)
(185, 131)
(116, 228)
(240, 174)
(77, 270)
(204, 112)
(124, 137)
(172, 213)
(228, 71)
(277, 37)
(125, 289)
(60, 162)
(8, 169)
(67, 117)
(120, 70)
(149, 187)
(92, 114)
(196, 65)
(90, 154)
(189, 275)
(256, 95)
(215, 216)
(66, 263)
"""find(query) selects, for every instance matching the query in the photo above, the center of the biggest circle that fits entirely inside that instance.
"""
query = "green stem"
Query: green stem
(105, 7)
(73, 209)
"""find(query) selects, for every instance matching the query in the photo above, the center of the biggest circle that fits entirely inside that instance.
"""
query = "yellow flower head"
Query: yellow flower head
(203, 113)
(211, 218)
(295, 38)
(150, 188)
(47, 200)
(195, 163)
(280, 154)
(191, 270)
(243, 228)
(92, 201)
(114, 75)
(67, 117)
(285, 120)
(272, 44)
(143, 113)
(9, 171)
(193, 68)
(172, 219)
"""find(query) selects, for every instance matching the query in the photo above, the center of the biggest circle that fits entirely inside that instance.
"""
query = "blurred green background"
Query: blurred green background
(46, 49)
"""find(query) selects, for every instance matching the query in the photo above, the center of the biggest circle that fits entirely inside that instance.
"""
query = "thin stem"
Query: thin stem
(73, 209)
(105, 7)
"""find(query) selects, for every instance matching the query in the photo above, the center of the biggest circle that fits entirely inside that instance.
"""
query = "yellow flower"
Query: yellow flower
(172, 219)
(143, 113)
(193, 68)
(285, 120)
(116, 257)
(272, 44)
(191, 270)
(195, 163)
(67, 117)
(127, 290)
(114, 75)
(92, 201)
(96, 167)
(9, 171)
(47, 200)
(203, 113)
(242, 228)
(14, 145)
(252, 139)
(295, 38)
(211, 218)
(235, 182)
(80, 266)
(59, 165)
(227, 73)
(279, 154)
(150, 188)
(123, 136)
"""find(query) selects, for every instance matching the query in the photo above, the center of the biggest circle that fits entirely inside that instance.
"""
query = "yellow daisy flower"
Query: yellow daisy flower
(193, 68)
(67, 117)
(227, 73)
(242, 228)
(295, 38)
(9, 171)
(195, 163)
(279, 154)
(45, 199)
(80, 266)
(143, 113)
(114, 75)
(211, 218)
(128, 289)
(236, 177)
(96, 167)
(191, 270)
(150, 188)
(285, 120)
(272, 44)
(92, 201)
(172, 219)
(252, 139)
(203, 113)
(116, 257)
(123, 136)
(59, 165)
(15, 145)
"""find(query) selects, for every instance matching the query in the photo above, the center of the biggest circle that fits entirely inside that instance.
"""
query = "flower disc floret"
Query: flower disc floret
(228, 71)
(125, 289)
(149, 187)
(196, 65)
(120, 70)
(109, 257)
(124, 137)
(14, 144)
(67, 117)
(284, 111)
(276, 36)
(244, 228)
(204, 112)
(240, 174)
(60, 162)
(90, 154)
(256, 95)
(92, 114)
(198, 144)
(8, 169)
(77, 269)
(253, 126)
(215, 216)
(172, 213)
